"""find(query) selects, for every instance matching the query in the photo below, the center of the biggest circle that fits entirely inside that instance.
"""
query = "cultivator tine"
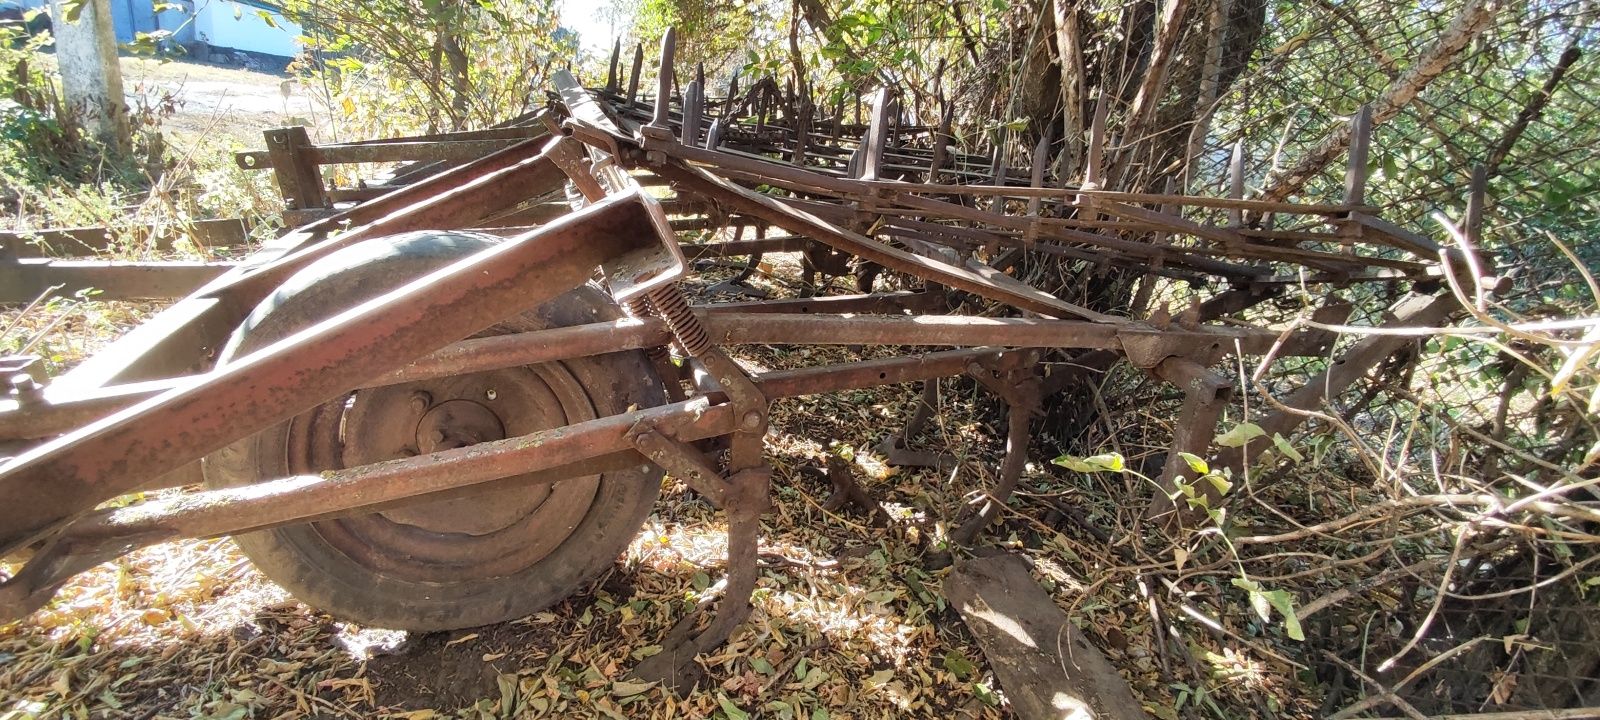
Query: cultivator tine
(611, 72)
(1355, 177)
(1041, 158)
(662, 120)
(877, 137)
(1236, 184)
(1093, 174)
(941, 144)
(1472, 220)
(633, 75)
(693, 109)
(714, 135)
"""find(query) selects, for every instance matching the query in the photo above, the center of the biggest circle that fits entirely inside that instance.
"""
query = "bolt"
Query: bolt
(420, 401)
(491, 394)
(28, 391)
(752, 420)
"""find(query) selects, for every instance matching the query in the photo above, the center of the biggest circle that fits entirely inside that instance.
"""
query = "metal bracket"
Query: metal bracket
(682, 461)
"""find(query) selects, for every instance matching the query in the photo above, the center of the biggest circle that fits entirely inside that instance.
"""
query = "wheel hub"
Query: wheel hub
(468, 533)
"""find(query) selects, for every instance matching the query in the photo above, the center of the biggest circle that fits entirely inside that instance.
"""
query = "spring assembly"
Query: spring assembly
(669, 303)
(639, 307)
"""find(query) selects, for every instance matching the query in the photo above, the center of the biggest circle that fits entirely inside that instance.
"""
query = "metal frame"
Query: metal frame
(876, 194)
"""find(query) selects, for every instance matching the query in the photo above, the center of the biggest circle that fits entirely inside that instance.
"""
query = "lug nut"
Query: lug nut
(752, 420)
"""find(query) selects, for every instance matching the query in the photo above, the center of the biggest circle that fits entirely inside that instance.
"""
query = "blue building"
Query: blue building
(221, 24)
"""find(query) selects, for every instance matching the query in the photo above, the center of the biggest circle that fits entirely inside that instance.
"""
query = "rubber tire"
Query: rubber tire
(323, 576)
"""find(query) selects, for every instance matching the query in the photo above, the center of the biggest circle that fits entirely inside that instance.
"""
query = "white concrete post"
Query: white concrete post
(91, 79)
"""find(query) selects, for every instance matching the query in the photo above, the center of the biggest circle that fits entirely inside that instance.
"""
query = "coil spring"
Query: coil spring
(669, 303)
(638, 307)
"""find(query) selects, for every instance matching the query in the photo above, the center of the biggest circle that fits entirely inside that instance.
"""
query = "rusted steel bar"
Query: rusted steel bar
(455, 207)
(436, 151)
(995, 286)
(88, 241)
(25, 280)
(260, 159)
(893, 303)
(66, 412)
(67, 476)
(956, 330)
(368, 488)
(787, 243)
(873, 373)
(543, 457)
(165, 346)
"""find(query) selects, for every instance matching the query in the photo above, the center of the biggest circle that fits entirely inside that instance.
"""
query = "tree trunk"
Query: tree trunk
(91, 79)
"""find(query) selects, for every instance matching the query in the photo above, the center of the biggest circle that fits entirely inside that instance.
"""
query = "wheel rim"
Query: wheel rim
(490, 534)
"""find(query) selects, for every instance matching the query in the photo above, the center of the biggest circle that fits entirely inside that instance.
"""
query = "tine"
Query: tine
(663, 116)
(633, 77)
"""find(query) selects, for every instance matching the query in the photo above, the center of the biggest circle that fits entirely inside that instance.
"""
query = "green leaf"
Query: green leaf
(1264, 602)
(985, 694)
(959, 665)
(1240, 434)
(761, 665)
(820, 713)
(1196, 463)
(1220, 483)
(1258, 600)
(813, 678)
(1284, 604)
(1107, 462)
(733, 712)
(645, 652)
(1284, 447)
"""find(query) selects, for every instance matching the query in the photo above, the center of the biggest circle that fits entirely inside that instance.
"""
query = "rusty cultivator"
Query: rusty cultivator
(448, 399)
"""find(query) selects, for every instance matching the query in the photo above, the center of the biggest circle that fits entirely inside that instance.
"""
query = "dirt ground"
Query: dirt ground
(214, 98)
